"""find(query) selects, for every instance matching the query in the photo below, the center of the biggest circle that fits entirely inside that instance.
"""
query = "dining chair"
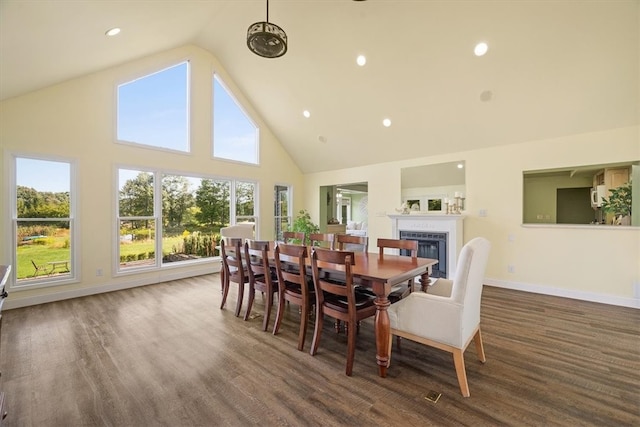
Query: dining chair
(294, 286)
(243, 230)
(347, 242)
(338, 299)
(297, 237)
(323, 240)
(399, 291)
(448, 318)
(234, 270)
(261, 277)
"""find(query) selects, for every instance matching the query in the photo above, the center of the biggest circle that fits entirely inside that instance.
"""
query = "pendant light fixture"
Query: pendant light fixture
(266, 39)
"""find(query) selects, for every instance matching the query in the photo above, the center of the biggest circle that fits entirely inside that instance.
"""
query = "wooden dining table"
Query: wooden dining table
(381, 274)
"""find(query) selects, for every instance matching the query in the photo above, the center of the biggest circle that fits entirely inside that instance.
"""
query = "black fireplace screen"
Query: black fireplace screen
(430, 245)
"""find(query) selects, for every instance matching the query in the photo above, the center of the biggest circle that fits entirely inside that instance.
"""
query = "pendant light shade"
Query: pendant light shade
(266, 39)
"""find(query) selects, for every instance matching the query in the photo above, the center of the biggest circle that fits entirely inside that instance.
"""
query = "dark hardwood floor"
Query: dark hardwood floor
(167, 355)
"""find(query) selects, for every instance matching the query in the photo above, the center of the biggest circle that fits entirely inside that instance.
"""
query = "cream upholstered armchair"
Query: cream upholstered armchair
(448, 316)
(243, 230)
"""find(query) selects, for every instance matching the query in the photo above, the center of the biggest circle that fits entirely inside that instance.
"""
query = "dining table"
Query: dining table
(380, 273)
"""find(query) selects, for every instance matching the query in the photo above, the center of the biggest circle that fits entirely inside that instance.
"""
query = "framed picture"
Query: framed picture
(413, 204)
(434, 204)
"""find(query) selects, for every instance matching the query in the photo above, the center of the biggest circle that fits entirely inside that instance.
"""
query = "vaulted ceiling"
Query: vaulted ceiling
(554, 68)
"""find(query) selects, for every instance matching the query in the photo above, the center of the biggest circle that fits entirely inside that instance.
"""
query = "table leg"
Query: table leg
(383, 329)
(424, 281)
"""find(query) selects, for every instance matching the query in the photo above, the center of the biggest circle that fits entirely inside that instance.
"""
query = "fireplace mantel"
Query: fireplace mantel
(450, 224)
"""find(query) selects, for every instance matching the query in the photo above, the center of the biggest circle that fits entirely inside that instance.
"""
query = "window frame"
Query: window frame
(277, 231)
(158, 175)
(12, 226)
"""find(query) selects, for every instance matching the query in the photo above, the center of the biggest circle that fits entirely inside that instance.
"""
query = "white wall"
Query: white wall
(585, 262)
(76, 120)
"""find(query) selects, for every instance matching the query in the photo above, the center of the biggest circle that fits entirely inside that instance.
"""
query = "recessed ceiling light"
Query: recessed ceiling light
(306, 113)
(361, 60)
(386, 123)
(460, 165)
(113, 32)
(481, 49)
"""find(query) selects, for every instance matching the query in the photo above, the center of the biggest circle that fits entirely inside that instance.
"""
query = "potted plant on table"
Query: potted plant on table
(619, 204)
(303, 223)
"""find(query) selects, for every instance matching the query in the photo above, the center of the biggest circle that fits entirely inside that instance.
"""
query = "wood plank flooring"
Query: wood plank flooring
(167, 355)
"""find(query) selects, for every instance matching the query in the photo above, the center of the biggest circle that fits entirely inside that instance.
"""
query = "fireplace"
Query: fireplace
(439, 237)
(430, 245)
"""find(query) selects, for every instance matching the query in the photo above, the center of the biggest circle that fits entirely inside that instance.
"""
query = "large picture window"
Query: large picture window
(191, 212)
(43, 221)
(235, 136)
(154, 110)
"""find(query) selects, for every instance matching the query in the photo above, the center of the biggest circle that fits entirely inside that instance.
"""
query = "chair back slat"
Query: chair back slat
(295, 237)
(339, 261)
(257, 260)
(410, 245)
(290, 264)
(322, 240)
(349, 242)
(231, 253)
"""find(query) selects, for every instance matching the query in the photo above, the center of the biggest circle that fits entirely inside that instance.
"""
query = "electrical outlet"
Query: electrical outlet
(99, 272)
(512, 238)
(482, 212)
(511, 268)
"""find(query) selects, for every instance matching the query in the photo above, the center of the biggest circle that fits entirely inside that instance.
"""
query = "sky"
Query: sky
(43, 175)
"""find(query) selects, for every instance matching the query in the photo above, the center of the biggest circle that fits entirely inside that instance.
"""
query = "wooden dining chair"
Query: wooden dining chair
(261, 277)
(347, 242)
(294, 286)
(323, 240)
(399, 291)
(337, 299)
(233, 268)
(297, 237)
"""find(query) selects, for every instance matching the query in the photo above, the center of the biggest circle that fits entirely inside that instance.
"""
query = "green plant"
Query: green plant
(303, 223)
(619, 202)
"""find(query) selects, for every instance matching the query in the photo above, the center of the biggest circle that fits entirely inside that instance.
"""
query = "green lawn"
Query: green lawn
(52, 249)
(43, 254)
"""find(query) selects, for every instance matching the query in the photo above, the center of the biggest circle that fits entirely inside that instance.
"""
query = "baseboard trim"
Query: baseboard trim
(162, 276)
(566, 293)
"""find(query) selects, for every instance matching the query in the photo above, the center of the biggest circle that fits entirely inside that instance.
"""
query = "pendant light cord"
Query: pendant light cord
(267, 11)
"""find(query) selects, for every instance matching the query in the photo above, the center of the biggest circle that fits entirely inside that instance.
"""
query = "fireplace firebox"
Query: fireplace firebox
(430, 245)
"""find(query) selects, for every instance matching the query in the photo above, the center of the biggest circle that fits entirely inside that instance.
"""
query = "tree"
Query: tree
(212, 198)
(136, 196)
(176, 199)
(32, 203)
(245, 198)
